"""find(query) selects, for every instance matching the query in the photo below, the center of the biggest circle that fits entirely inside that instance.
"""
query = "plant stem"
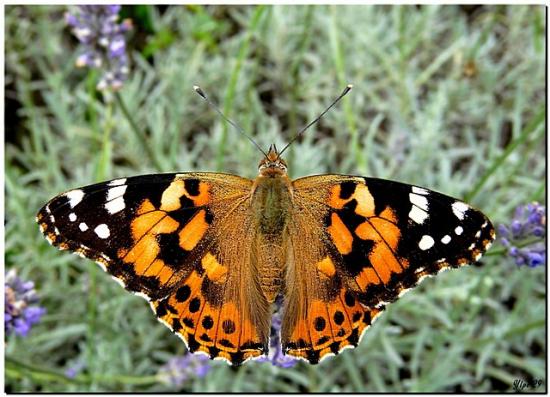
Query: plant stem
(139, 134)
(16, 366)
(535, 122)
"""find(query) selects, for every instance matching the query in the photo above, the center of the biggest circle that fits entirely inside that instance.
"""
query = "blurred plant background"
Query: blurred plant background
(451, 98)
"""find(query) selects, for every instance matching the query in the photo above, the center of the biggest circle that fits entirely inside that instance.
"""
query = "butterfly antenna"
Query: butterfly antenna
(199, 91)
(346, 90)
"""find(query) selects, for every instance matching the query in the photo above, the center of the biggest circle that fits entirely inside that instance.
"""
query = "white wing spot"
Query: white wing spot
(117, 182)
(116, 205)
(418, 215)
(83, 227)
(75, 197)
(116, 192)
(426, 242)
(419, 201)
(72, 217)
(102, 231)
(459, 209)
(419, 190)
(115, 200)
(478, 257)
(458, 230)
(446, 239)
(478, 233)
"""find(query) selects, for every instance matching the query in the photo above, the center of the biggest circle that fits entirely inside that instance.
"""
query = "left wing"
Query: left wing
(182, 242)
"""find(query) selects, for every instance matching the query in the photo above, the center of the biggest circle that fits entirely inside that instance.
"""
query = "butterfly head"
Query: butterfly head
(272, 165)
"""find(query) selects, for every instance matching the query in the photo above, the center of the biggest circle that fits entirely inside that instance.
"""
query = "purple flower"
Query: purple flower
(180, 369)
(74, 370)
(20, 313)
(102, 42)
(276, 355)
(525, 236)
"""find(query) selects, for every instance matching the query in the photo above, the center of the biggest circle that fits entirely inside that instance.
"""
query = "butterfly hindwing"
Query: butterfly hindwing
(159, 235)
(379, 238)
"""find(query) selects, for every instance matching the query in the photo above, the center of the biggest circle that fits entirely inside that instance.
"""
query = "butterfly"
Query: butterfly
(211, 252)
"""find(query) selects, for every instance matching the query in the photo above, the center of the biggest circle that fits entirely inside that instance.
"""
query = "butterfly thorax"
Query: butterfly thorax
(271, 195)
(271, 202)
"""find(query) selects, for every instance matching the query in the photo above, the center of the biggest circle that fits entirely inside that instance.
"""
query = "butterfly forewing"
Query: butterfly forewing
(109, 223)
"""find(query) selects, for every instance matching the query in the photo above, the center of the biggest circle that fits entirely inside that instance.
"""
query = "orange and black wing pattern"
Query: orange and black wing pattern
(159, 236)
(363, 242)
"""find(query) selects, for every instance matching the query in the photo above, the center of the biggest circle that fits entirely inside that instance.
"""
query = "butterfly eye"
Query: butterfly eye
(276, 167)
(263, 165)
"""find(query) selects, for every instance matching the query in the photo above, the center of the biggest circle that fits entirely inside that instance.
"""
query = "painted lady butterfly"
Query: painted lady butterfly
(212, 251)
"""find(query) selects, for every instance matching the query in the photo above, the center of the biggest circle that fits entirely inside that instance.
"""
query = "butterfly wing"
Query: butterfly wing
(360, 243)
(180, 241)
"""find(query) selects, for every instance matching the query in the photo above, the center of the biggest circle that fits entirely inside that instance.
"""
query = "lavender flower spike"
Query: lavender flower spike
(102, 42)
(20, 313)
(525, 236)
(180, 369)
(73, 370)
(276, 355)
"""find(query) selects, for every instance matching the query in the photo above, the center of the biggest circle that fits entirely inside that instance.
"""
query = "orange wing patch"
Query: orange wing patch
(367, 276)
(144, 253)
(341, 236)
(365, 200)
(385, 234)
(193, 232)
(326, 267)
(381, 231)
(171, 198)
(214, 270)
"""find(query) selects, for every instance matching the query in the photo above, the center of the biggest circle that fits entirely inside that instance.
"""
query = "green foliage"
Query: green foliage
(450, 98)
